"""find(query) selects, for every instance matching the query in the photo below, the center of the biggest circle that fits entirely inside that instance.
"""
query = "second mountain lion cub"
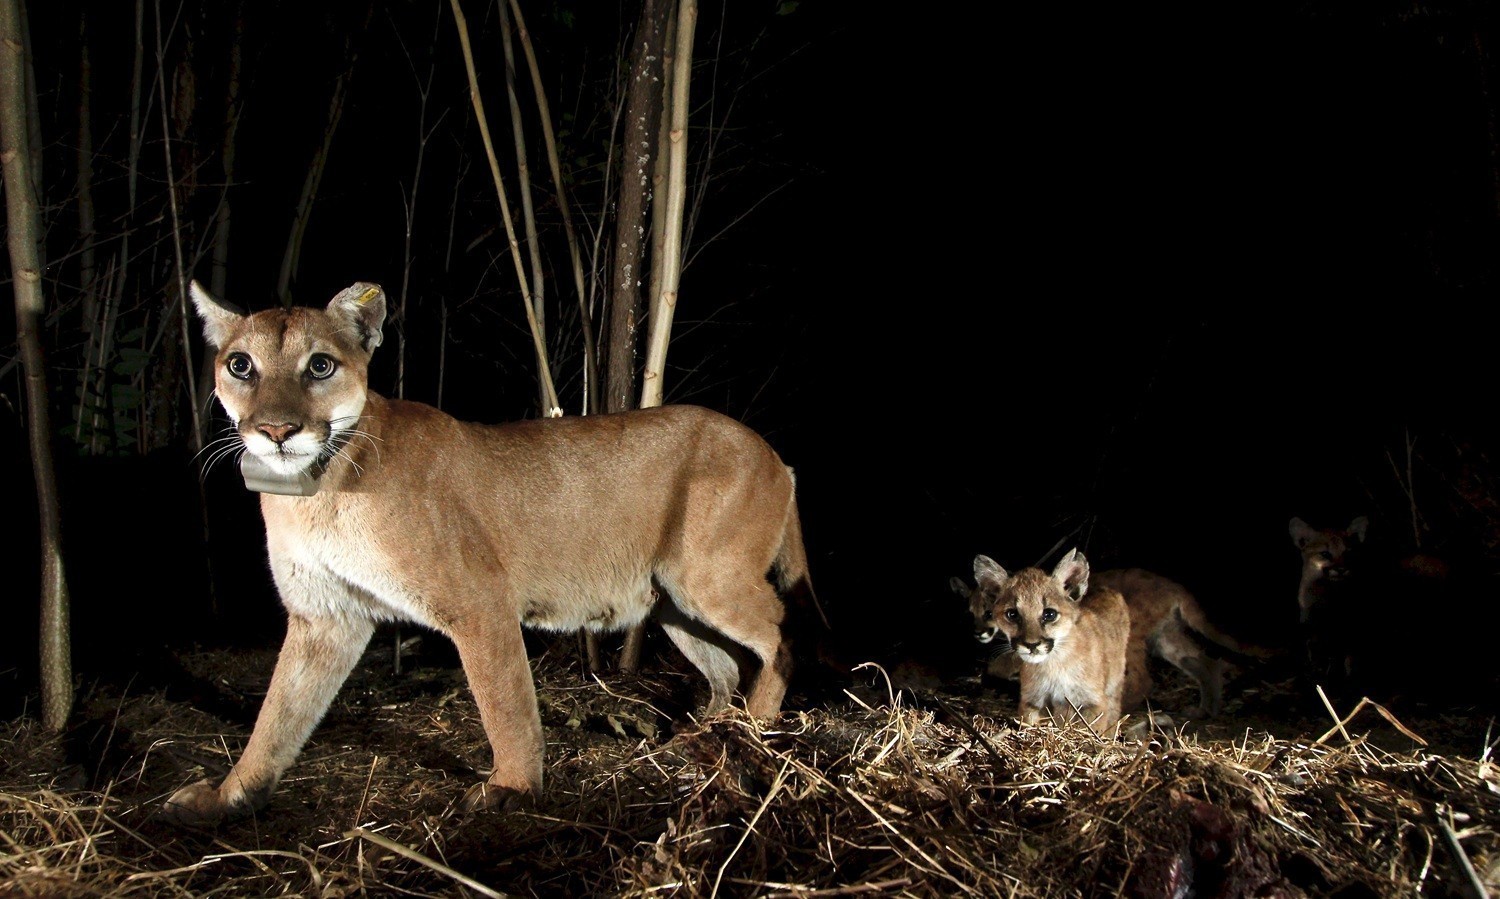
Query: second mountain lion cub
(1165, 621)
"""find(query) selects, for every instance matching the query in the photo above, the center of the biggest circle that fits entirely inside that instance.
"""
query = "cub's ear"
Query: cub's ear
(1073, 574)
(1301, 532)
(362, 305)
(1357, 528)
(959, 586)
(986, 568)
(219, 317)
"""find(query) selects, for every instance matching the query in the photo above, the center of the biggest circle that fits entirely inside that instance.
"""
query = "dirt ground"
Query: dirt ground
(893, 782)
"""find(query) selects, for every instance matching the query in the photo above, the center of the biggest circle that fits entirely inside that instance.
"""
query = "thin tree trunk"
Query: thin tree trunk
(114, 287)
(523, 176)
(181, 268)
(86, 230)
(659, 167)
(25, 265)
(664, 304)
(549, 391)
(409, 208)
(590, 352)
(133, 167)
(114, 299)
(223, 215)
(87, 403)
(33, 118)
(643, 104)
(87, 234)
(219, 273)
(292, 257)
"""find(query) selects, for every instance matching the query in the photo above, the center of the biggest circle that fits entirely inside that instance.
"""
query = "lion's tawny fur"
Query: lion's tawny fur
(475, 530)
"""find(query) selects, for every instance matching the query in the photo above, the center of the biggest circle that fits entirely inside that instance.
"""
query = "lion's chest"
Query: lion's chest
(1059, 682)
(332, 558)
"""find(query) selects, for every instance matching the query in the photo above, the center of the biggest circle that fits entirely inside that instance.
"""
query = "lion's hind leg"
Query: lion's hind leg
(1178, 647)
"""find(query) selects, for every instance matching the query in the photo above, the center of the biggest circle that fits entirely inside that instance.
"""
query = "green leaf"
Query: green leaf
(126, 396)
(132, 360)
(787, 8)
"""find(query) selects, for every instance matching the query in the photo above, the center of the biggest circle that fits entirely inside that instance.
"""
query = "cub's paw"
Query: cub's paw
(196, 805)
(488, 797)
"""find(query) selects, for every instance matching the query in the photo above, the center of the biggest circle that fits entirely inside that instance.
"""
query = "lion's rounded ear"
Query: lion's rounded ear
(1073, 574)
(1301, 532)
(959, 586)
(1357, 528)
(362, 305)
(219, 317)
(986, 568)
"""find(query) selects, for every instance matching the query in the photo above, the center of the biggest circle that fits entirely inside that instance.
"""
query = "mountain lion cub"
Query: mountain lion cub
(1350, 593)
(1165, 621)
(1071, 640)
(475, 530)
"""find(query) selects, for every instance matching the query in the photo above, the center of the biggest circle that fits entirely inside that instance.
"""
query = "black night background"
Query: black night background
(1145, 279)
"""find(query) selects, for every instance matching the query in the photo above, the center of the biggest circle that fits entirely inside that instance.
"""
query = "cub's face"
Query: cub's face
(1034, 610)
(293, 380)
(1325, 553)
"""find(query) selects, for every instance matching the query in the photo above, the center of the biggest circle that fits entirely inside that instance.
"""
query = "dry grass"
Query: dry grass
(881, 793)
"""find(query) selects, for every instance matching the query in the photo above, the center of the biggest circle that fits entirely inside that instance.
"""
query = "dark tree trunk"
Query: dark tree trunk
(25, 265)
(643, 103)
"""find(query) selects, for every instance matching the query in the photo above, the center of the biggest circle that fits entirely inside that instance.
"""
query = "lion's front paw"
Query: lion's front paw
(488, 797)
(196, 805)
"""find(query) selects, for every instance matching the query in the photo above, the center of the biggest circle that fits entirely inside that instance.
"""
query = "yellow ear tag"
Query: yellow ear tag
(368, 295)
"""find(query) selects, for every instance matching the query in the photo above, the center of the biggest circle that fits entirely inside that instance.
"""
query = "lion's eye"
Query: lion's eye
(240, 366)
(1325, 555)
(321, 367)
(1049, 616)
(1011, 614)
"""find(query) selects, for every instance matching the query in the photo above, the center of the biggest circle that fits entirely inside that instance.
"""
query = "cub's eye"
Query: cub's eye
(240, 366)
(1325, 555)
(1049, 616)
(321, 367)
(1011, 614)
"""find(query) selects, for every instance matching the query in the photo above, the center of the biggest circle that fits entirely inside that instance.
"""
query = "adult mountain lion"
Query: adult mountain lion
(1166, 621)
(475, 530)
(1070, 639)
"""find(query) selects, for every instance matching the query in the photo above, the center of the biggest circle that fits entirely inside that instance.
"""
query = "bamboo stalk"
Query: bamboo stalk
(523, 177)
(664, 304)
(549, 391)
(659, 166)
(590, 350)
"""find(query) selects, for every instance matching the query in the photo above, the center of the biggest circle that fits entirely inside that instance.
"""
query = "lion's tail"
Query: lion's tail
(790, 568)
(1191, 615)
